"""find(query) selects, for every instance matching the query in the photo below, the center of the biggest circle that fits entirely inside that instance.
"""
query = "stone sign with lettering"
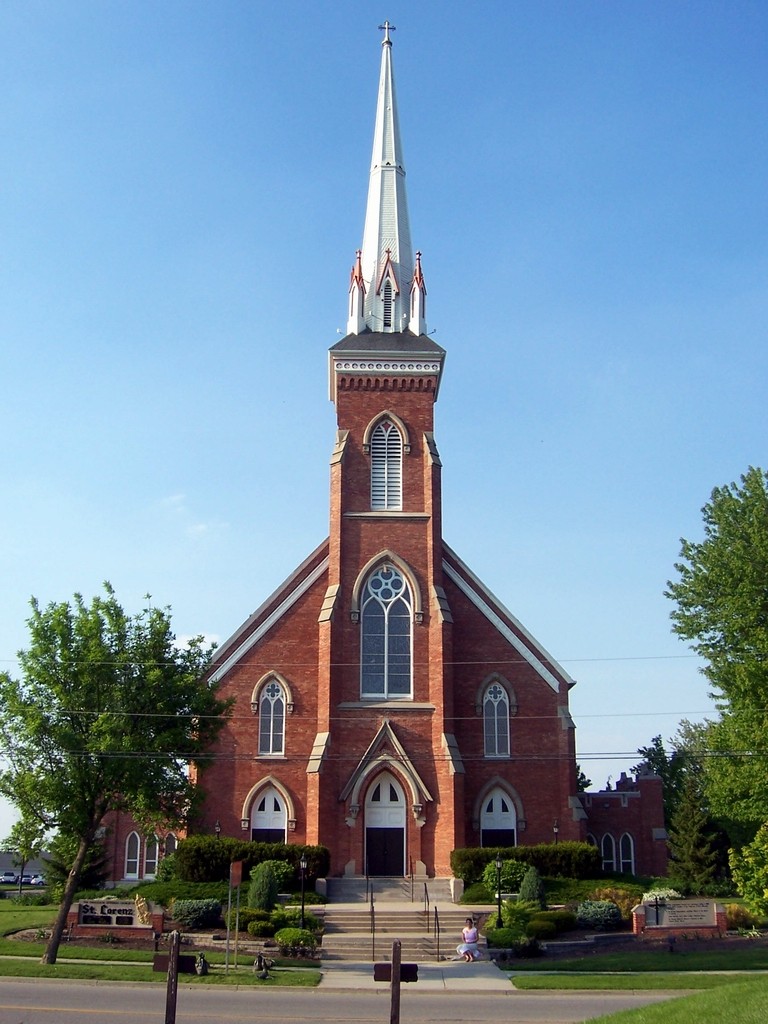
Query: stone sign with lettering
(663, 918)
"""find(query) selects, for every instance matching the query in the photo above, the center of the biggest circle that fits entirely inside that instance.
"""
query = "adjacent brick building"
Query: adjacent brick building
(387, 704)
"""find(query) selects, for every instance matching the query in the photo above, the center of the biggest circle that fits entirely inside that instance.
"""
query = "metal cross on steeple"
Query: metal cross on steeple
(386, 28)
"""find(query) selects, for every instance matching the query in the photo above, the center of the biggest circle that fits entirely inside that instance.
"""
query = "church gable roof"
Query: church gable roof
(513, 631)
(278, 604)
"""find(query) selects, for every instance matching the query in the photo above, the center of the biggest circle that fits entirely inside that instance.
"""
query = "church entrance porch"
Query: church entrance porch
(385, 827)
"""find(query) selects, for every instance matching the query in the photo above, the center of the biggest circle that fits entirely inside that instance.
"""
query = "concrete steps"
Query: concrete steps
(348, 929)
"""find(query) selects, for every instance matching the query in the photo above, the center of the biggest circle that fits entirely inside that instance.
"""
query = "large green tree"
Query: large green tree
(721, 597)
(107, 715)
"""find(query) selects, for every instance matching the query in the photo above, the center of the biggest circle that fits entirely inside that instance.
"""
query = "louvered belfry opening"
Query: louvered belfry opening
(388, 304)
(386, 467)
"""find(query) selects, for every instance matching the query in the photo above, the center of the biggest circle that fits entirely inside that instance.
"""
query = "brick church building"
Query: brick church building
(387, 705)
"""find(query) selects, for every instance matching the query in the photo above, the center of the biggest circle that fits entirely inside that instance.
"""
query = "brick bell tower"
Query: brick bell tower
(385, 639)
(386, 704)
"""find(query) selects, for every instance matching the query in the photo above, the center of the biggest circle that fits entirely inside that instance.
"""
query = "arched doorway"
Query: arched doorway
(498, 820)
(385, 826)
(269, 818)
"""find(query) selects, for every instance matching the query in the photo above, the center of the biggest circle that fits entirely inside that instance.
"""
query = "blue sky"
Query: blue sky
(183, 192)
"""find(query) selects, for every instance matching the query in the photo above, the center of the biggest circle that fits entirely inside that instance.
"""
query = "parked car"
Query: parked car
(26, 879)
(9, 878)
(38, 880)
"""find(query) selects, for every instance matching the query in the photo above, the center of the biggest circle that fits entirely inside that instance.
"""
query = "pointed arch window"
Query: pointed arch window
(386, 635)
(272, 719)
(386, 467)
(132, 844)
(151, 851)
(608, 849)
(627, 854)
(496, 721)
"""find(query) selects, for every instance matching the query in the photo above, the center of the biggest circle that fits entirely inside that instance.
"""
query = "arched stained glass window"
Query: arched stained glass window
(496, 721)
(386, 467)
(608, 849)
(151, 851)
(386, 635)
(132, 844)
(627, 854)
(272, 719)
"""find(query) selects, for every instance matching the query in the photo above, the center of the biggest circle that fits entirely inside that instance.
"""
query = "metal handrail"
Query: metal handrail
(426, 901)
(373, 927)
(437, 934)
(410, 875)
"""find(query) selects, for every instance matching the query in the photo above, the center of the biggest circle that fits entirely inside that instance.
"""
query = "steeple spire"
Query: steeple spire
(387, 292)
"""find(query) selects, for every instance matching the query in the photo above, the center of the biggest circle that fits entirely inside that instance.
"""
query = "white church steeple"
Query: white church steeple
(387, 292)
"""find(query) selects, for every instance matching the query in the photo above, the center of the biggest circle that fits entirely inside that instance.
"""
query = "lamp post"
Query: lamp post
(303, 866)
(217, 828)
(556, 829)
(498, 891)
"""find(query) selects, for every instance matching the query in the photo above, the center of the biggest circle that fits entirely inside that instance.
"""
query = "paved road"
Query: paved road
(43, 1001)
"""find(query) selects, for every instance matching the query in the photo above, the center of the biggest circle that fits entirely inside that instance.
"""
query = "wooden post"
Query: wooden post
(394, 1012)
(173, 979)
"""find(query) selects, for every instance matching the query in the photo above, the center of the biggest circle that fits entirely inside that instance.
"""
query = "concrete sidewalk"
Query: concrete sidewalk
(446, 976)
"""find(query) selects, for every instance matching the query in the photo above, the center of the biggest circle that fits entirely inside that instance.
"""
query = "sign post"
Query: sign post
(171, 990)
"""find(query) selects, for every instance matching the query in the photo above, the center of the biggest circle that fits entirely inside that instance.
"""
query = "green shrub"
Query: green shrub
(501, 938)
(602, 915)
(532, 888)
(207, 859)
(568, 859)
(196, 913)
(738, 916)
(625, 897)
(477, 893)
(291, 917)
(165, 893)
(512, 872)
(284, 873)
(563, 920)
(263, 890)
(261, 929)
(295, 941)
(244, 918)
(517, 913)
(311, 898)
(537, 928)
(166, 869)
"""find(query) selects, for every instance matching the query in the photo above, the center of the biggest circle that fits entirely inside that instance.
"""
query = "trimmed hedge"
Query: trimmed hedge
(563, 920)
(568, 859)
(196, 913)
(295, 941)
(261, 929)
(244, 918)
(207, 859)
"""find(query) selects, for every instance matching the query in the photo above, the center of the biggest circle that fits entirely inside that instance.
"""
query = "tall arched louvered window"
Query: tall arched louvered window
(386, 466)
(387, 296)
(271, 719)
(496, 721)
(385, 622)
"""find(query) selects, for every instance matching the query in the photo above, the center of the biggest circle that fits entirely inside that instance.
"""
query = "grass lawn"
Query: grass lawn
(124, 964)
(625, 982)
(745, 958)
(743, 1003)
